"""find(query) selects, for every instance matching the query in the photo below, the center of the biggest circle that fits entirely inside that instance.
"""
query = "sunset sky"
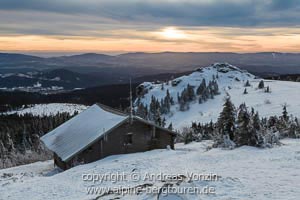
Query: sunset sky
(149, 25)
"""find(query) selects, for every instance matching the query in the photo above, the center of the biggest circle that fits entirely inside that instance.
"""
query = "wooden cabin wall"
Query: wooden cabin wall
(114, 143)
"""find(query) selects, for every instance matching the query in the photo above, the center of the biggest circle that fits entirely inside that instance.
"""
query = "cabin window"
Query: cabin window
(128, 139)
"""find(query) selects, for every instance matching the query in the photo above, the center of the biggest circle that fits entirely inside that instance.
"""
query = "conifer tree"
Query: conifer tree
(247, 84)
(170, 127)
(252, 111)
(201, 88)
(154, 109)
(166, 103)
(9, 143)
(285, 113)
(183, 106)
(3, 153)
(292, 130)
(248, 128)
(200, 101)
(187, 95)
(256, 121)
(267, 90)
(163, 122)
(243, 135)
(157, 118)
(178, 97)
(25, 144)
(187, 135)
(206, 94)
(142, 111)
(261, 84)
(162, 86)
(215, 88)
(190, 93)
(226, 121)
(163, 108)
(36, 143)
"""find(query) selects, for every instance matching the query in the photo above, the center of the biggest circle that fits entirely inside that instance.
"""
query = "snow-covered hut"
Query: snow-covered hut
(100, 131)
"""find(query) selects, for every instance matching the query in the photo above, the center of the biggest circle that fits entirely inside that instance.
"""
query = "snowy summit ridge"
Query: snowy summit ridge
(229, 73)
(230, 80)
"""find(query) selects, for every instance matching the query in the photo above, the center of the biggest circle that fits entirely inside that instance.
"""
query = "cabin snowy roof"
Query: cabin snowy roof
(80, 131)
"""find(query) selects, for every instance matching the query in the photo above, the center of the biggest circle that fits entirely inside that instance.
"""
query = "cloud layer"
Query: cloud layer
(172, 12)
(139, 19)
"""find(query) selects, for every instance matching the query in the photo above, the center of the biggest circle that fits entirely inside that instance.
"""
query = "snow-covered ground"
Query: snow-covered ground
(49, 109)
(231, 82)
(243, 173)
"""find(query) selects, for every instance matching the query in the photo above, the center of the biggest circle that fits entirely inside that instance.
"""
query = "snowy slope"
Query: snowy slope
(231, 82)
(49, 109)
(244, 173)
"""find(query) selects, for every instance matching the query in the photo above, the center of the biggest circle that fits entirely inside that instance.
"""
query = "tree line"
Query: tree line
(189, 94)
(243, 126)
(20, 137)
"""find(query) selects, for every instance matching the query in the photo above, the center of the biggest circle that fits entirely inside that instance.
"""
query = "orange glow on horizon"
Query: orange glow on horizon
(168, 39)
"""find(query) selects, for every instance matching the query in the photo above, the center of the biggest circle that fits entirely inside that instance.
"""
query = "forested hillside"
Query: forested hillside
(19, 137)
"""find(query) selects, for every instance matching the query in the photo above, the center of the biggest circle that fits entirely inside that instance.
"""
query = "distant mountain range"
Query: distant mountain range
(90, 69)
(167, 61)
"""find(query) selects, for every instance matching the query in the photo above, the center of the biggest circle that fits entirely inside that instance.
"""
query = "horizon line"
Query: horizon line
(43, 53)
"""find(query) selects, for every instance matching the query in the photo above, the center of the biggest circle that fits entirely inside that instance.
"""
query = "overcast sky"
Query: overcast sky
(150, 25)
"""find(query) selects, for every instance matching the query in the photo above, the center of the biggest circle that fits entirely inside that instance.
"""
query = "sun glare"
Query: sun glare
(173, 33)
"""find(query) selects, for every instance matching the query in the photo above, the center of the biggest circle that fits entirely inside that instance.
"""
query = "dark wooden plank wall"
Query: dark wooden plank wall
(143, 139)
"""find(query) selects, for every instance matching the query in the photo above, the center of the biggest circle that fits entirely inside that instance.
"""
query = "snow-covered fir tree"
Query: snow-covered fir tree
(261, 84)
(285, 113)
(267, 90)
(226, 120)
(247, 84)
(142, 111)
(245, 133)
(170, 127)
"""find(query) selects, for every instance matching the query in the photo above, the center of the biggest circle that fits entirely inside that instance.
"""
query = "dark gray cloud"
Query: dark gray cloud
(67, 16)
(284, 4)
